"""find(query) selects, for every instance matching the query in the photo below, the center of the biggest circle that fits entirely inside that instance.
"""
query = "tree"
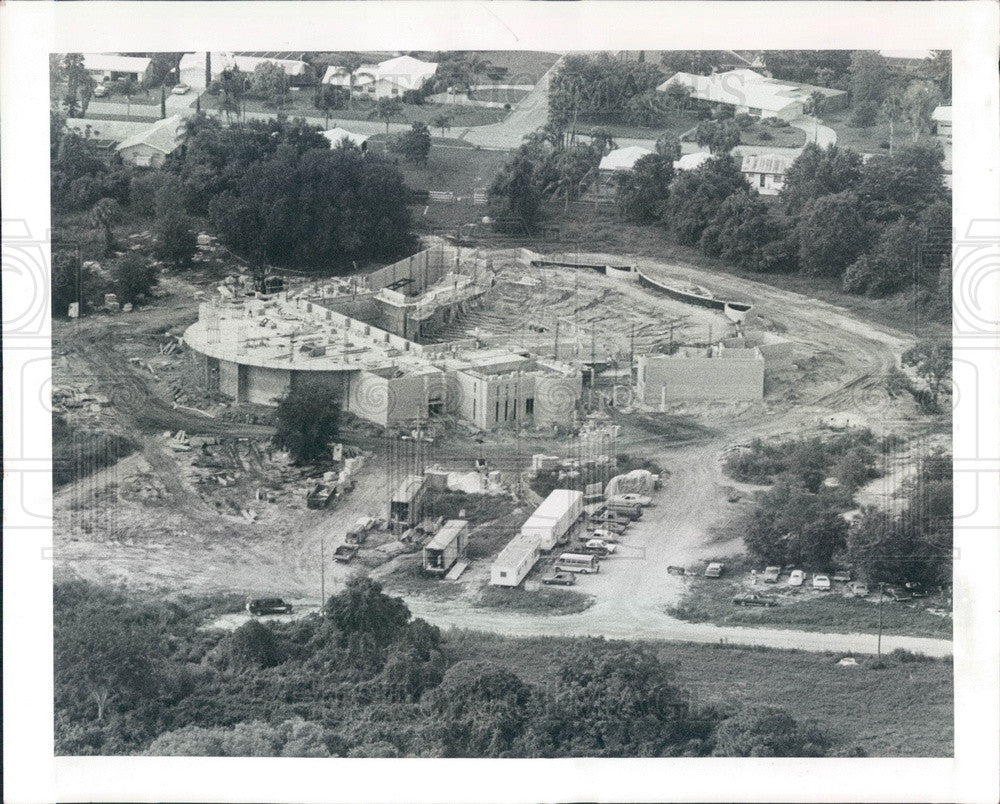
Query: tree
(363, 608)
(234, 87)
(893, 110)
(134, 277)
(932, 361)
(695, 196)
(891, 264)
(386, 109)
(308, 421)
(669, 147)
(720, 137)
(643, 191)
(105, 214)
(819, 171)
(902, 185)
(919, 102)
(415, 144)
(791, 525)
(253, 646)
(869, 77)
(832, 234)
(71, 282)
(442, 121)
(163, 101)
(864, 115)
(739, 230)
(602, 141)
(175, 239)
(270, 81)
(329, 97)
(679, 95)
(766, 731)
(515, 194)
(127, 87)
(350, 65)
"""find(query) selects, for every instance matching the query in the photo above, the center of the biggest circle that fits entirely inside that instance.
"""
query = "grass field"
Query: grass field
(301, 104)
(902, 709)
(871, 140)
(459, 169)
(546, 600)
(510, 96)
(523, 66)
(674, 124)
(787, 137)
(711, 601)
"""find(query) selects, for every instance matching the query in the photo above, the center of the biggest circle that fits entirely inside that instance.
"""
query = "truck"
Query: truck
(345, 553)
(631, 510)
(321, 495)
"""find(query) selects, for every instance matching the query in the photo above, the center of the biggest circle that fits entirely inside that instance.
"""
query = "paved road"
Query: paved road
(530, 114)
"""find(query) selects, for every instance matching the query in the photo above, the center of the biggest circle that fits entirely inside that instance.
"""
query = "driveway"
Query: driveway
(530, 114)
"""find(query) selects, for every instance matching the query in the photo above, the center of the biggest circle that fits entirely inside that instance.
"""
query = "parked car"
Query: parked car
(772, 574)
(607, 535)
(899, 594)
(180, 89)
(268, 605)
(675, 570)
(614, 527)
(559, 579)
(915, 588)
(755, 600)
(821, 582)
(842, 576)
(100, 91)
(858, 589)
(630, 499)
(714, 570)
(796, 578)
(605, 515)
(599, 547)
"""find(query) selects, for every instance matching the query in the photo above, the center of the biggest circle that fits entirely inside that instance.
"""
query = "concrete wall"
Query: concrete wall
(424, 268)
(228, 378)
(555, 398)
(266, 385)
(668, 378)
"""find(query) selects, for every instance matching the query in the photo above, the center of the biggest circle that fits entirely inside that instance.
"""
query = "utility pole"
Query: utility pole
(322, 572)
(881, 587)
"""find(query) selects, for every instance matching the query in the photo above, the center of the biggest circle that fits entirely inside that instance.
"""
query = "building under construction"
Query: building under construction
(360, 339)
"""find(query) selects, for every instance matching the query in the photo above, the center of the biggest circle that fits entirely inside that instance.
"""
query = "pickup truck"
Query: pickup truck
(345, 553)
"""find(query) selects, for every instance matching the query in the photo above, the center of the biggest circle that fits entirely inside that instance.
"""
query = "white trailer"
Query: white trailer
(554, 517)
(515, 561)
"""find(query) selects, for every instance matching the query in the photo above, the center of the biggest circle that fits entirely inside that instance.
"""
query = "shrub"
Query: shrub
(864, 115)
(134, 277)
(176, 241)
(765, 136)
(745, 121)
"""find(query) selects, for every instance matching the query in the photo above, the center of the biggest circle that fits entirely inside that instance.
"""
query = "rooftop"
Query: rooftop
(112, 62)
(164, 135)
(447, 534)
(623, 158)
(744, 87)
(337, 135)
(766, 163)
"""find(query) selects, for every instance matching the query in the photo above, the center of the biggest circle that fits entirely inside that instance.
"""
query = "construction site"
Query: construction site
(502, 410)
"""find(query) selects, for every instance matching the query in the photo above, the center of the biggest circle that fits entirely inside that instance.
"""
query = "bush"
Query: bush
(745, 121)
(176, 242)
(134, 277)
(765, 136)
(864, 115)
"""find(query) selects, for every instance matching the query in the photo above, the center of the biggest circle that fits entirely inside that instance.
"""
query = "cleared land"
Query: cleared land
(902, 709)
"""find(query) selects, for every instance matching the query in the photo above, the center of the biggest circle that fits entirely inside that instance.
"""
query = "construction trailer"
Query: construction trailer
(554, 517)
(448, 544)
(515, 561)
(405, 505)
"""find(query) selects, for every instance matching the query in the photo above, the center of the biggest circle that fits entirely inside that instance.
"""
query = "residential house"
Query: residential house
(619, 161)
(337, 135)
(387, 79)
(942, 122)
(766, 172)
(692, 161)
(192, 67)
(106, 67)
(150, 148)
(748, 92)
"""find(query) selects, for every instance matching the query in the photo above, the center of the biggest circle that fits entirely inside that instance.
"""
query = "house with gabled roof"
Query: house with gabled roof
(151, 147)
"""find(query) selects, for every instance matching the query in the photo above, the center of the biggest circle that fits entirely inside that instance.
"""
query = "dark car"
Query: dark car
(899, 594)
(754, 600)
(559, 579)
(915, 588)
(268, 605)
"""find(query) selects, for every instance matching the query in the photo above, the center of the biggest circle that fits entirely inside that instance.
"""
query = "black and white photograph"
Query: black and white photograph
(433, 401)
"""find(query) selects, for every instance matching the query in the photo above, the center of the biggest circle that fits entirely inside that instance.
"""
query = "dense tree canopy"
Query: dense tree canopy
(696, 195)
(307, 422)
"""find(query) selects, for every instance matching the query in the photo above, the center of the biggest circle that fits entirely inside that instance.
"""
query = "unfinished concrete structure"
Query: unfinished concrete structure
(359, 340)
(701, 373)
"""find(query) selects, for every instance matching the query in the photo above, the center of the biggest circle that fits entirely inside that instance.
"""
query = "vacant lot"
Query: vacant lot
(545, 600)
(902, 709)
(870, 140)
(786, 137)
(803, 608)
(674, 124)
(523, 66)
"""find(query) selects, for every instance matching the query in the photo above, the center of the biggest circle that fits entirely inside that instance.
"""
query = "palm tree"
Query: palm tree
(350, 65)
(386, 109)
(442, 121)
(103, 216)
(127, 86)
(892, 109)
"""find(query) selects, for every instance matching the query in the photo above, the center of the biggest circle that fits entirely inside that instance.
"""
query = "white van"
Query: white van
(577, 562)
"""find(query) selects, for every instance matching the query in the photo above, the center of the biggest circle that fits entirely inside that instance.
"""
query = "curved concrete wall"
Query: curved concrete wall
(735, 311)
